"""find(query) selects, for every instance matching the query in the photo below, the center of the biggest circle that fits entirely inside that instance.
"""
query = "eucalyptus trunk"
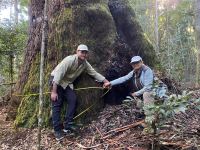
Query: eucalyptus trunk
(108, 27)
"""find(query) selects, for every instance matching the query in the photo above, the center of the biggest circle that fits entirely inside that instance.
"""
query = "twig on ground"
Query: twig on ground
(109, 133)
(98, 131)
(84, 147)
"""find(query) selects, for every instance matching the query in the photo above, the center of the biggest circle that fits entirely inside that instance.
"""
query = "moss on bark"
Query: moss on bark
(112, 37)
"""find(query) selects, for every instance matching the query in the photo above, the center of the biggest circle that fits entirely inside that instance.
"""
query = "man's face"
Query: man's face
(82, 55)
(136, 66)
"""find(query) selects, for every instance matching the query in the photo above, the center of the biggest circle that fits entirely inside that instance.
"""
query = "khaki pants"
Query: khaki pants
(148, 99)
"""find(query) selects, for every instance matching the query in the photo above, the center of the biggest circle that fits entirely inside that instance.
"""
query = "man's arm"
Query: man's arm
(58, 73)
(119, 80)
(90, 70)
(122, 79)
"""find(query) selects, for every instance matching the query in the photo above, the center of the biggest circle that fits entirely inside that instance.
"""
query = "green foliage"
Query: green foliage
(158, 113)
(178, 41)
(23, 6)
(176, 34)
(24, 3)
(12, 42)
(13, 38)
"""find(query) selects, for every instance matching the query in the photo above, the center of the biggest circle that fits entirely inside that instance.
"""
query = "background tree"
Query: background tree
(197, 29)
(16, 11)
(12, 42)
(13, 36)
(176, 34)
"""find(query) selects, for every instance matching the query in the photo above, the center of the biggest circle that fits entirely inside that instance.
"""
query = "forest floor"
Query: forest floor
(116, 128)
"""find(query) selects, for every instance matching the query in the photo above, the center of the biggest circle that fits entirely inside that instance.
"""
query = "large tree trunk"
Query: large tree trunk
(110, 30)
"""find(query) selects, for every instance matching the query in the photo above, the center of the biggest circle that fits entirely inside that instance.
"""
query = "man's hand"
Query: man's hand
(105, 81)
(107, 85)
(133, 94)
(54, 96)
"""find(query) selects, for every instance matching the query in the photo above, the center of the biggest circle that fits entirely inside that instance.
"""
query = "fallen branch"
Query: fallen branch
(109, 133)
(125, 127)
(99, 131)
(177, 144)
(7, 84)
(84, 147)
(70, 143)
(112, 142)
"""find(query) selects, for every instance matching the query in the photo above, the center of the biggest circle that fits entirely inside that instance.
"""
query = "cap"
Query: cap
(135, 59)
(82, 47)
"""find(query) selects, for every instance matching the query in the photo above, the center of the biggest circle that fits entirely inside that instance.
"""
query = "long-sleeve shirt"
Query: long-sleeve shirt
(68, 70)
(146, 79)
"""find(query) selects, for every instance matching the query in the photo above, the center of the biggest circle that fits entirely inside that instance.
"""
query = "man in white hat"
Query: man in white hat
(62, 87)
(142, 79)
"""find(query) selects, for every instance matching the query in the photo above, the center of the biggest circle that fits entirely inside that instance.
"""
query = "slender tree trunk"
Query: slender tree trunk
(11, 57)
(16, 11)
(11, 6)
(156, 26)
(197, 27)
(16, 18)
(43, 51)
(168, 43)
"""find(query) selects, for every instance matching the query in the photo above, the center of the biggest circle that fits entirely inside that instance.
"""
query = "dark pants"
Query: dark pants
(64, 95)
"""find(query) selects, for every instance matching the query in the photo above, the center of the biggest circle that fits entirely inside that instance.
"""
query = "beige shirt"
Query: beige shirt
(68, 70)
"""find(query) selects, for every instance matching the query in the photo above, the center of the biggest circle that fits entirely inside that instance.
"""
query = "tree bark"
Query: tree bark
(16, 11)
(157, 27)
(197, 28)
(110, 30)
(43, 50)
